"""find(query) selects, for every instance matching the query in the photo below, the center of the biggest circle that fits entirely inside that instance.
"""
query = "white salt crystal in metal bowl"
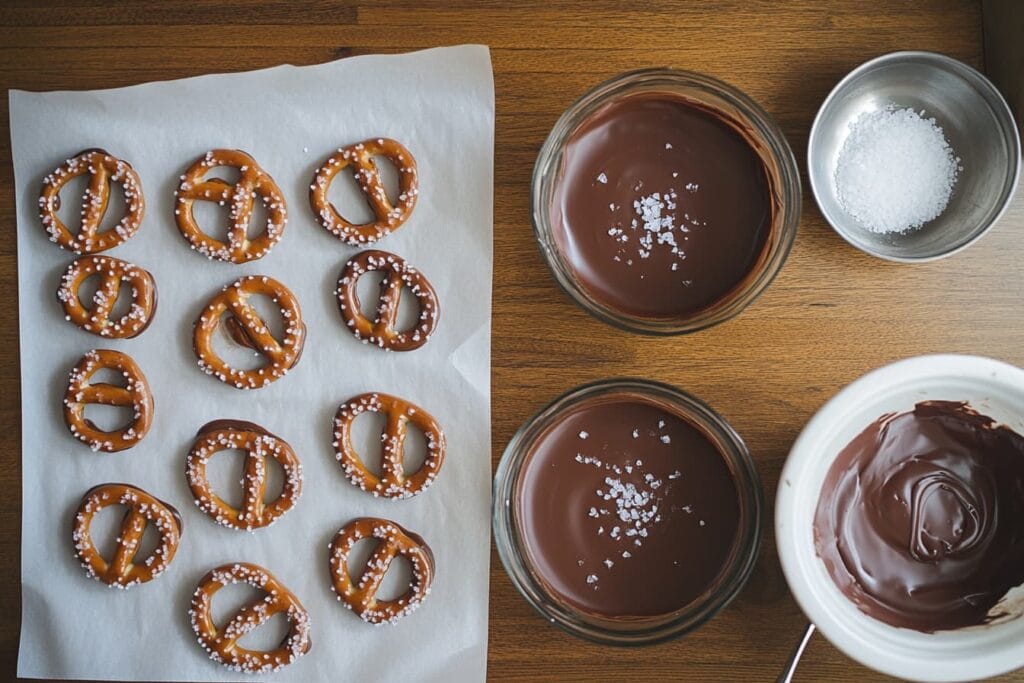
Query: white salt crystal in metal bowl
(976, 122)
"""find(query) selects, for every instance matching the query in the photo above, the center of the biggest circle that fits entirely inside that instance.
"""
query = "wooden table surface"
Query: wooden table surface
(832, 315)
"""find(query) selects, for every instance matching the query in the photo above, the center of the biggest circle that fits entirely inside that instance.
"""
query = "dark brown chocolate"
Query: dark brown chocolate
(662, 207)
(921, 517)
(626, 510)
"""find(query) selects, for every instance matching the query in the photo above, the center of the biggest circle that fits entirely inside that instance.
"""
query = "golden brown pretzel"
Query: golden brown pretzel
(112, 273)
(393, 482)
(247, 327)
(258, 444)
(222, 643)
(381, 330)
(103, 169)
(360, 593)
(122, 571)
(81, 392)
(253, 183)
(388, 217)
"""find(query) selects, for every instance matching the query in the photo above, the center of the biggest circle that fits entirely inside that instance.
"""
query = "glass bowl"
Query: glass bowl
(732, 106)
(634, 631)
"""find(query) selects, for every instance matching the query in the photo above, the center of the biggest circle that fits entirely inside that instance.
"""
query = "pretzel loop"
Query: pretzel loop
(247, 327)
(81, 392)
(222, 643)
(253, 183)
(113, 275)
(103, 169)
(381, 330)
(388, 217)
(392, 482)
(360, 593)
(122, 570)
(259, 445)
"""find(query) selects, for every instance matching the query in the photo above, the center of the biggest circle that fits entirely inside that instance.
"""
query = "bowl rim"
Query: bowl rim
(791, 541)
(781, 152)
(945, 61)
(749, 540)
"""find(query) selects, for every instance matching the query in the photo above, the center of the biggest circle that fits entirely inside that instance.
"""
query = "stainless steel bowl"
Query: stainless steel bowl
(977, 122)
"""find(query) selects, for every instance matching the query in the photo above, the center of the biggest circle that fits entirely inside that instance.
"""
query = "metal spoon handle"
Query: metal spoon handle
(794, 659)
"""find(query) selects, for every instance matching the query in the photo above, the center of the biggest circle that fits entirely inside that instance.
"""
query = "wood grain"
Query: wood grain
(832, 315)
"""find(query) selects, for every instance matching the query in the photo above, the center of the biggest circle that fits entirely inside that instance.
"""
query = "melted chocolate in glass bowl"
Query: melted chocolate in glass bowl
(626, 510)
(921, 517)
(661, 207)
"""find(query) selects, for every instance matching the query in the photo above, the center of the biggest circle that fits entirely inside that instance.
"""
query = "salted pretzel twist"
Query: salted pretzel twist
(248, 328)
(359, 593)
(103, 169)
(381, 330)
(388, 217)
(253, 183)
(82, 391)
(259, 446)
(392, 482)
(122, 570)
(222, 643)
(113, 273)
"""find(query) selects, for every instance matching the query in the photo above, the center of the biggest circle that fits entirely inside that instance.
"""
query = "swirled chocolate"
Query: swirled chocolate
(921, 517)
(662, 206)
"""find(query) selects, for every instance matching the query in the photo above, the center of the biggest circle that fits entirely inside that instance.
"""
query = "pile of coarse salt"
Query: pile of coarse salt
(896, 170)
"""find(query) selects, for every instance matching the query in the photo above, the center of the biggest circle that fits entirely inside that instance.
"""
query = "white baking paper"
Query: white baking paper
(440, 104)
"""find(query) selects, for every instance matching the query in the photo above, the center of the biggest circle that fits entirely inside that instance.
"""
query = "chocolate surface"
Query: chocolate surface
(921, 517)
(662, 207)
(626, 510)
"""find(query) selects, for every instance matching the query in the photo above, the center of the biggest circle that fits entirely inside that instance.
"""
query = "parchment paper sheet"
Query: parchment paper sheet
(440, 104)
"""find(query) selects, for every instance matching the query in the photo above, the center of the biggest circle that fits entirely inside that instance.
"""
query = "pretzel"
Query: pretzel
(249, 329)
(81, 392)
(222, 643)
(393, 481)
(122, 571)
(360, 594)
(388, 217)
(254, 182)
(112, 273)
(381, 330)
(258, 444)
(103, 169)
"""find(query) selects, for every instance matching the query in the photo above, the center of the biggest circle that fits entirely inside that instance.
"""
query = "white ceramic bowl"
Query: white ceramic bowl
(995, 389)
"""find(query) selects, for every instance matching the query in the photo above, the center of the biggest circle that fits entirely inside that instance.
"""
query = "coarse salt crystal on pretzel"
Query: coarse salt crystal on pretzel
(398, 274)
(102, 169)
(113, 274)
(82, 391)
(222, 643)
(359, 593)
(253, 183)
(388, 216)
(247, 327)
(122, 570)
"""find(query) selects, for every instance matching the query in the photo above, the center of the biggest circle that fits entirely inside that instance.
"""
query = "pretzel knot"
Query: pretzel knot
(222, 643)
(113, 273)
(381, 330)
(388, 217)
(253, 183)
(122, 570)
(360, 593)
(258, 444)
(247, 327)
(393, 481)
(103, 169)
(82, 391)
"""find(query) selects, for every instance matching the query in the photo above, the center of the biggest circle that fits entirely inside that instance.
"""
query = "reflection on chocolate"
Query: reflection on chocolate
(662, 207)
(921, 517)
(626, 510)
